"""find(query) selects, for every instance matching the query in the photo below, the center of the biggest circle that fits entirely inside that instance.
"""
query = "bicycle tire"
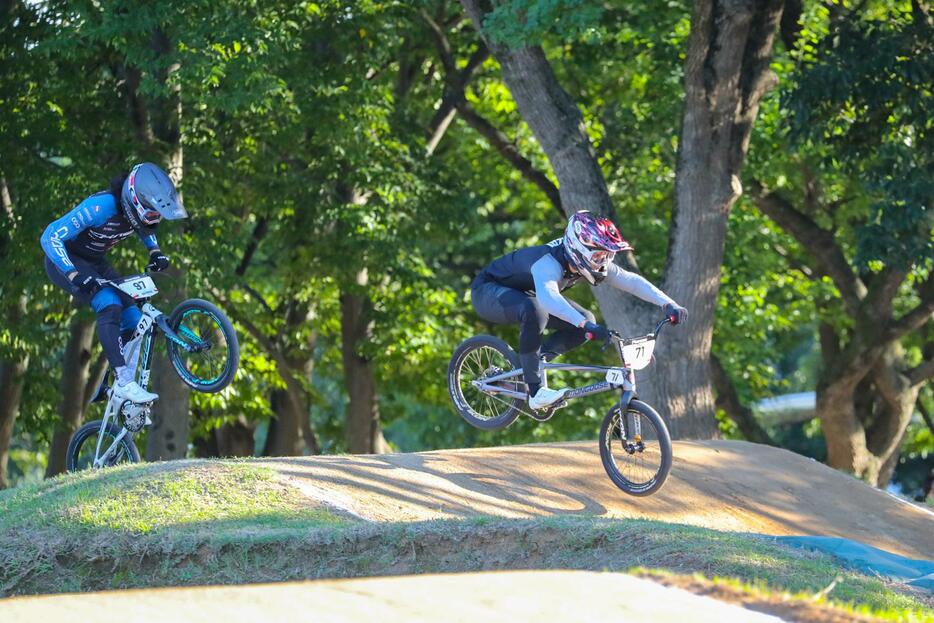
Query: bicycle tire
(176, 352)
(90, 431)
(664, 442)
(461, 403)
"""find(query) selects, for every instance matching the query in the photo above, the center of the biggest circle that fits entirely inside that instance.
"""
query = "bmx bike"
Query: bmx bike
(486, 384)
(203, 349)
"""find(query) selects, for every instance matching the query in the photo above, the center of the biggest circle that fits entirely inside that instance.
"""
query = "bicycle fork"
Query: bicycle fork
(109, 413)
(627, 394)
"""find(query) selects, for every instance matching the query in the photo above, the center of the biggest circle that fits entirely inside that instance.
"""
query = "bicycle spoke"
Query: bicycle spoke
(203, 331)
(637, 461)
(477, 365)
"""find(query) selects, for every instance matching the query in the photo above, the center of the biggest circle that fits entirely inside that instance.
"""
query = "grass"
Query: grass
(139, 499)
(200, 522)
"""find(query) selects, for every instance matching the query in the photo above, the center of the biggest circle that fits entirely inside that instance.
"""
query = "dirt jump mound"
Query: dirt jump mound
(724, 485)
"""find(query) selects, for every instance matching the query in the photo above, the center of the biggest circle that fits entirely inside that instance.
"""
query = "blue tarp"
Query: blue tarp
(868, 559)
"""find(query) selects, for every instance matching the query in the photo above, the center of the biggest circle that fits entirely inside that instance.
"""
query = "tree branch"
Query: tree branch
(455, 93)
(508, 150)
(728, 400)
(925, 414)
(882, 290)
(259, 232)
(916, 318)
(818, 242)
(446, 110)
(921, 373)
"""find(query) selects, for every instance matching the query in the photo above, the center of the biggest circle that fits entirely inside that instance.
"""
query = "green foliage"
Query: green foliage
(304, 136)
(870, 115)
(521, 23)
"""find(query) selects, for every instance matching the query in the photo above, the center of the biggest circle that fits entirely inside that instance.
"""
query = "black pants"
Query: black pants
(501, 305)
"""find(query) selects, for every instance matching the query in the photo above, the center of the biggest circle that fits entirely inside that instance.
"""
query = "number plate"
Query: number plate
(638, 355)
(140, 287)
(617, 376)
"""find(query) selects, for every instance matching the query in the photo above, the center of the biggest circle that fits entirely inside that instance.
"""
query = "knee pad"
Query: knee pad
(130, 318)
(105, 298)
(109, 315)
(533, 314)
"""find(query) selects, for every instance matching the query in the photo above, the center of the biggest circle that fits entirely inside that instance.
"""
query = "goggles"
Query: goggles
(147, 216)
(599, 259)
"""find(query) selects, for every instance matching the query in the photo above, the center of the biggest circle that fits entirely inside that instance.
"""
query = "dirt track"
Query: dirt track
(542, 596)
(726, 485)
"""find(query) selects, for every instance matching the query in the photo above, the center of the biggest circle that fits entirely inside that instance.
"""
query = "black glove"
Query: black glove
(158, 261)
(596, 332)
(675, 313)
(86, 283)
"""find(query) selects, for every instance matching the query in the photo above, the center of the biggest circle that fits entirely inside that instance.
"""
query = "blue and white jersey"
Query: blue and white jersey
(89, 231)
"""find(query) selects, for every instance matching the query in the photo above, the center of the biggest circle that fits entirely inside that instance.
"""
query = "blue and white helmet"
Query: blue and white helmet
(148, 196)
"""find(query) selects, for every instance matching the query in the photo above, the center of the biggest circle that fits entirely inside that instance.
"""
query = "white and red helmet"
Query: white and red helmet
(590, 242)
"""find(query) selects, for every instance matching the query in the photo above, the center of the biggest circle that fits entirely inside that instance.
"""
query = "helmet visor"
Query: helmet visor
(173, 211)
(154, 211)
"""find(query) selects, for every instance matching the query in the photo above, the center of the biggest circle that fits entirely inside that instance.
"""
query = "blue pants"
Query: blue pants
(117, 314)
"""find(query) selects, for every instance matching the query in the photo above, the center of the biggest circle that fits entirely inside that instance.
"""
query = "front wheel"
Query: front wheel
(208, 359)
(635, 448)
(83, 446)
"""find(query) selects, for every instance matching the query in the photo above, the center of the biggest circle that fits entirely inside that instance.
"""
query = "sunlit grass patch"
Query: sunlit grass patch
(190, 495)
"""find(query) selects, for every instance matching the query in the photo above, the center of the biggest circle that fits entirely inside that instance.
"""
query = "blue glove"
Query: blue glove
(596, 332)
(675, 313)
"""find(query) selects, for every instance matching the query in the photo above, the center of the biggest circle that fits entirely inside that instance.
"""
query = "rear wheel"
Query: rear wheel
(213, 354)
(635, 448)
(83, 445)
(476, 359)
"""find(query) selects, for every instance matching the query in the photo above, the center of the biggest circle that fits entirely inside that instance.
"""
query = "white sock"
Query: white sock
(124, 375)
(131, 353)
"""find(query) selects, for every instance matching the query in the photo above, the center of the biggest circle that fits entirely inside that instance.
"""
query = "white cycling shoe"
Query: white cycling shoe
(134, 393)
(545, 397)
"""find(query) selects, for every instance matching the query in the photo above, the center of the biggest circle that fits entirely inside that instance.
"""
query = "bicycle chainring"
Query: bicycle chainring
(135, 416)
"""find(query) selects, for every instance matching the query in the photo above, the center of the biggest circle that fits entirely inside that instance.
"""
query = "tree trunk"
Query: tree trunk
(843, 433)
(896, 397)
(158, 125)
(12, 378)
(363, 431)
(290, 430)
(290, 406)
(235, 438)
(168, 436)
(229, 439)
(76, 372)
(726, 74)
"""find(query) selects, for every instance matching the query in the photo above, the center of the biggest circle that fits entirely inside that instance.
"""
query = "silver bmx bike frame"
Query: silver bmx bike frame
(634, 353)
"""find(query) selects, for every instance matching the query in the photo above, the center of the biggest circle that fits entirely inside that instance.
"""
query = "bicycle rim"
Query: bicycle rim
(84, 458)
(208, 364)
(477, 364)
(634, 449)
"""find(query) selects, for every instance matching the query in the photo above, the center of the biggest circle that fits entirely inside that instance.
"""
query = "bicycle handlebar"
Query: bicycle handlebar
(614, 335)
